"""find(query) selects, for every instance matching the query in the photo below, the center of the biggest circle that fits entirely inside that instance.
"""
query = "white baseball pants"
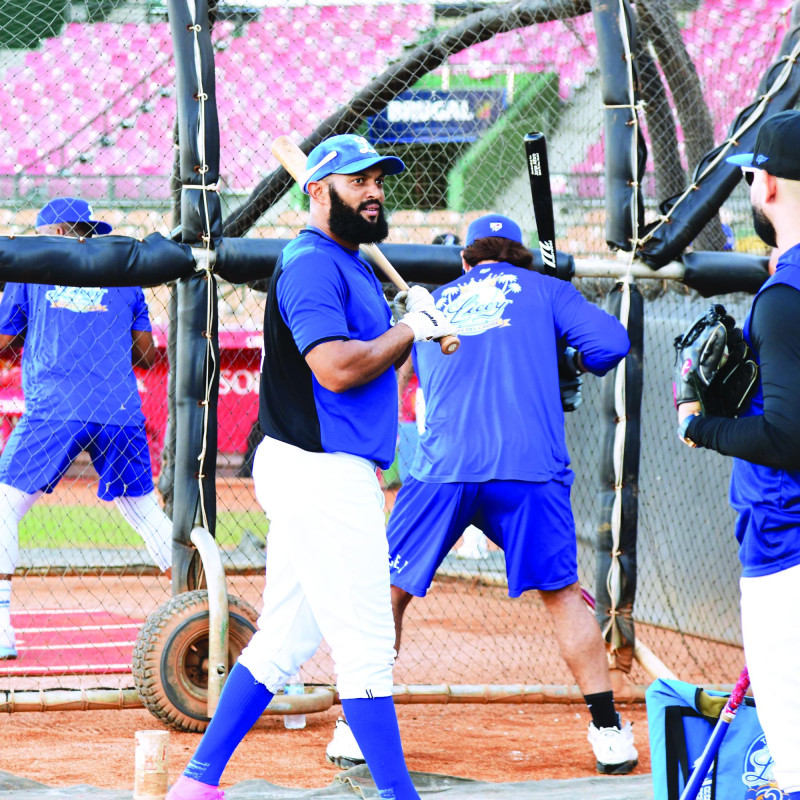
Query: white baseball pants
(771, 633)
(327, 570)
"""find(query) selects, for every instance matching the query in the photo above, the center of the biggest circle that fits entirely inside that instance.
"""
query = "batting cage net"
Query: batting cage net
(88, 97)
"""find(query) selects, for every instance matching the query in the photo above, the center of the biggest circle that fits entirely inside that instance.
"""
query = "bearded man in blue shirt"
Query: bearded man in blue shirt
(328, 410)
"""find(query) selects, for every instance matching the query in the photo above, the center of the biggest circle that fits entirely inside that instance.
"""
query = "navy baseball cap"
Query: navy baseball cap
(493, 225)
(346, 154)
(776, 147)
(70, 209)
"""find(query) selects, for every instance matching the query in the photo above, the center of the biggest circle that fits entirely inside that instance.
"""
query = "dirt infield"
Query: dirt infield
(500, 743)
(463, 632)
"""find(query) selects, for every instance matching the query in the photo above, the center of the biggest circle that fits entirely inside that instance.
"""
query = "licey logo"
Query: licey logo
(79, 299)
(757, 772)
(495, 226)
(478, 305)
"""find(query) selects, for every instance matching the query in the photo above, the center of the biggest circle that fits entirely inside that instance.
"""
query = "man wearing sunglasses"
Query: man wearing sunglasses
(765, 444)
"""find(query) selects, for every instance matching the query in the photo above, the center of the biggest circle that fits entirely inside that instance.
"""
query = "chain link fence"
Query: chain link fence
(89, 110)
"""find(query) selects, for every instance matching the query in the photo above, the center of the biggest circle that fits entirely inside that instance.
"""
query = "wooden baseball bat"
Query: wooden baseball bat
(542, 197)
(293, 160)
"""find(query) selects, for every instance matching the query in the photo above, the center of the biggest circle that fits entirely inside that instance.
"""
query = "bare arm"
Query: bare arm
(144, 352)
(405, 372)
(9, 346)
(341, 365)
(405, 357)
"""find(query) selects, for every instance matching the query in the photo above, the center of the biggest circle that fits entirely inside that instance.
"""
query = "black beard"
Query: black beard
(350, 226)
(765, 230)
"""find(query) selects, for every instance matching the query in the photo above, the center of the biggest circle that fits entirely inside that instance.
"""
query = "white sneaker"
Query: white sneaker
(343, 749)
(613, 749)
(8, 645)
(474, 544)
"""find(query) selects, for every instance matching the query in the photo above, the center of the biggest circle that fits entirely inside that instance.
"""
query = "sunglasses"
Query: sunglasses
(749, 175)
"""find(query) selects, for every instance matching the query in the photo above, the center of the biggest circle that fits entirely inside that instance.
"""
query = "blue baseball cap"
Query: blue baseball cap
(346, 154)
(493, 225)
(776, 147)
(70, 209)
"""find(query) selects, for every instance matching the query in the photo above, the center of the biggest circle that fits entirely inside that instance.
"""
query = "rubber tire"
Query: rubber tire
(170, 658)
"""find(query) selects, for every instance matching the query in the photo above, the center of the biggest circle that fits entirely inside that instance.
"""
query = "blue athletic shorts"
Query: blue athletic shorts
(531, 522)
(39, 452)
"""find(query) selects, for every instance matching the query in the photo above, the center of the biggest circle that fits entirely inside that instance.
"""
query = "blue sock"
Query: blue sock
(374, 724)
(241, 703)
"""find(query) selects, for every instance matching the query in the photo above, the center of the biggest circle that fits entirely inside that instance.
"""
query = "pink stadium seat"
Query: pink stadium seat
(249, 84)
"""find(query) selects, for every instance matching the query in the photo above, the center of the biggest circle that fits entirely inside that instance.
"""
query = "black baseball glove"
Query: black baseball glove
(569, 378)
(714, 365)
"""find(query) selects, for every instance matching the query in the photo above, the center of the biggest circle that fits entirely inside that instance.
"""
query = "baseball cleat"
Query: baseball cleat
(343, 749)
(613, 749)
(190, 789)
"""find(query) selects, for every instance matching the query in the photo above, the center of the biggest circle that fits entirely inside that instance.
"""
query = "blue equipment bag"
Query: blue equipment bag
(679, 730)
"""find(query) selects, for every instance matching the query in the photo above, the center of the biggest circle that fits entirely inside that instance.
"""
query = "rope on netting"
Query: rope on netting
(611, 630)
(789, 61)
(205, 265)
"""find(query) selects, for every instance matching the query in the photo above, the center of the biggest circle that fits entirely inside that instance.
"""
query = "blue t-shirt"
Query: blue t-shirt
(76, 362)
(493, 410)
(766, 499)
(323, 292)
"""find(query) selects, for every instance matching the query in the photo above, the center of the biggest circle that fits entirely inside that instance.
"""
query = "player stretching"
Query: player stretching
(493, 452)
(328, 410)
(765, 444)
(80, 394)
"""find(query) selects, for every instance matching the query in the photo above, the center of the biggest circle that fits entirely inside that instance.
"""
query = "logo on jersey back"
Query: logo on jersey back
(80, 299)
(478, 305)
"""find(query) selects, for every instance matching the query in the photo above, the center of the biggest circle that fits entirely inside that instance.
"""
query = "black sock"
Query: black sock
(601, 707)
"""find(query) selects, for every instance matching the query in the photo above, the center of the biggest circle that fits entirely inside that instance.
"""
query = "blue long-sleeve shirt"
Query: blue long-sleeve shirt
(493, 410)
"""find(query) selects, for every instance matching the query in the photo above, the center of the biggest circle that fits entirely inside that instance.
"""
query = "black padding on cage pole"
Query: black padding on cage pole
(244, 260)
(620, 557)
(619, 119)
(201, 225)
(190, 382)
(101, 261)
(711, 273)
(198, 125)
(691, 214)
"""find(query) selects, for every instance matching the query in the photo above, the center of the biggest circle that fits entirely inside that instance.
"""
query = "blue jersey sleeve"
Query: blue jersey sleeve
(141, 315)
(311, 300)
(14, 309)
(600, 338)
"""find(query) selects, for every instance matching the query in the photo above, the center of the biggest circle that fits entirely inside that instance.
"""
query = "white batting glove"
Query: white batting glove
(428, 324)
(415, 299)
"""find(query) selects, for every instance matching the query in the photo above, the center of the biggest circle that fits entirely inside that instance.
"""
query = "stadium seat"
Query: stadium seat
(132, 61)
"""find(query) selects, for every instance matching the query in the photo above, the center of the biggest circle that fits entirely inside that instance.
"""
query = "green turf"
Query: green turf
(97, 526)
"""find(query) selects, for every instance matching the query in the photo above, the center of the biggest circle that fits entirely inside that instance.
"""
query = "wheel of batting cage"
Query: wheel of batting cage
(170, 658)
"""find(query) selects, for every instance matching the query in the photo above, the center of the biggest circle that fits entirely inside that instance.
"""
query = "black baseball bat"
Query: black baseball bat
(542, 196)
